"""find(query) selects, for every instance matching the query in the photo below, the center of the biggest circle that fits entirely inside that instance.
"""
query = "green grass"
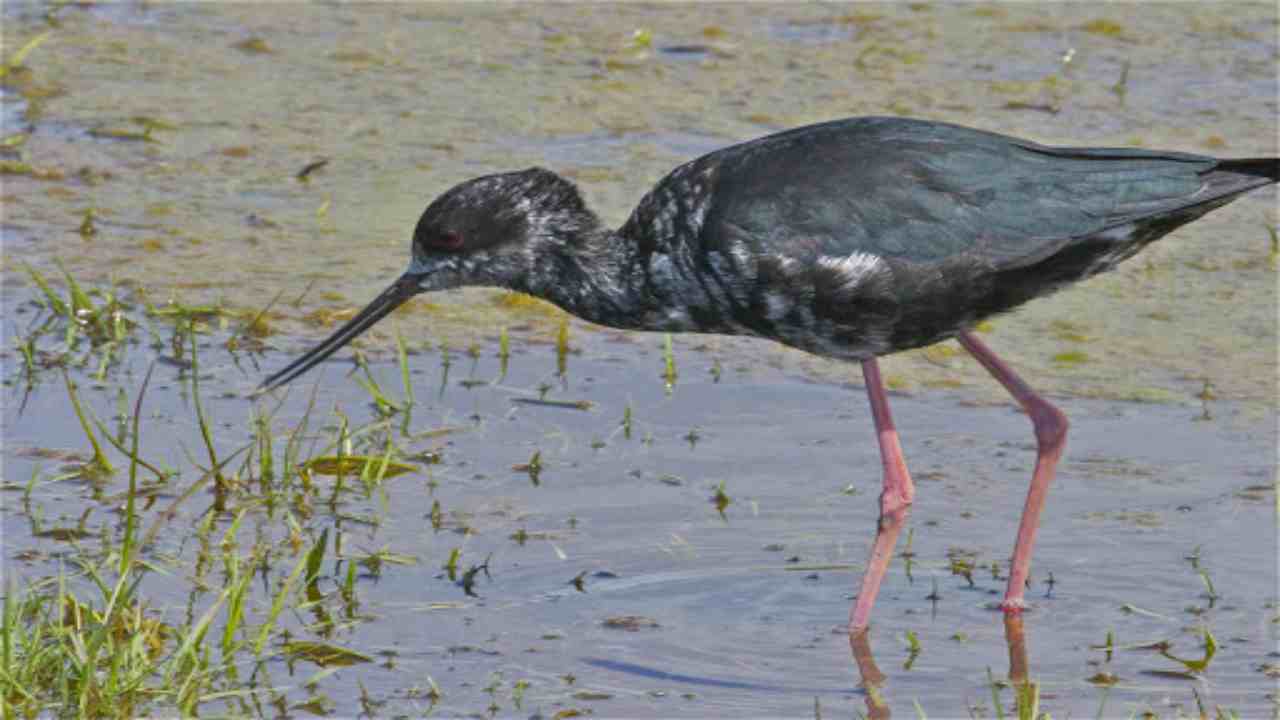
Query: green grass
(87, 642)
(107, 634)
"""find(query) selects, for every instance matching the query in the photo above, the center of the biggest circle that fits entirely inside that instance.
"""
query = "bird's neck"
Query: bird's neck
(595, 275)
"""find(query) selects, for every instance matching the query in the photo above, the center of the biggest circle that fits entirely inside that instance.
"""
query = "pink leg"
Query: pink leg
(895, 498)
(1051, 439)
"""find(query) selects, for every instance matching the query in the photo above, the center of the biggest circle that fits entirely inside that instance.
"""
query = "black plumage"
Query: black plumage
(850, 239)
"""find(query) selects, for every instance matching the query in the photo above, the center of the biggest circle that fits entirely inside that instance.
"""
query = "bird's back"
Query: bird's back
(870, 235)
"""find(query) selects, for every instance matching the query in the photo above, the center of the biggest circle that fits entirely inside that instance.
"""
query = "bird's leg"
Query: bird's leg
(895, 498)
(1051, 439)
(872, 678)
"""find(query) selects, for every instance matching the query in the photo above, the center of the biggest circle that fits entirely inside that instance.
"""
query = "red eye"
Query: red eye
(451, 241)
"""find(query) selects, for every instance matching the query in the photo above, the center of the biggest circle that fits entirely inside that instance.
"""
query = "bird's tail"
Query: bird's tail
(1257, 167)
(1230, 178)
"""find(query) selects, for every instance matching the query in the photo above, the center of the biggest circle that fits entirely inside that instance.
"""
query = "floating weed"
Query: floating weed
(1072, 357)
(1134, 609)
(315, 556)
(629, 623)
(721, 500)
(963, 567)
(517, 693)
(342, 465)
(304, 175)
(15, 60)
(385, 406)
(1196, 667)
(468, 581)
(504, 352)
(450, 566)
(323, 654)
(1102, 26)
(98, 466)
(934, 596)
(940, 354)
(257, 326)
(626, 422)
(669, 374)
(1103, 678)
(1205, 395)
(374, 561)
(123, 133)
(692, 437)
(17, 167)
(569, 404)
(533, 467)
(27, 348)
(1069, 331)
(1208, 586)
(913, 649)
(562, 348)
(446, 362)
(55, 303)
(87, 228)
(1121, 88)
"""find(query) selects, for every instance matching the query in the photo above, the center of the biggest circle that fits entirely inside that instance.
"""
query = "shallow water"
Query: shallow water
(406, 100)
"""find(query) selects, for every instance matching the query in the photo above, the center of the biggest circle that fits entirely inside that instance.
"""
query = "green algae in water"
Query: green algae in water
(324, 654)
(1106, 28)
(721, 500)
(1072, 357)
(15, 167)
(15, 60)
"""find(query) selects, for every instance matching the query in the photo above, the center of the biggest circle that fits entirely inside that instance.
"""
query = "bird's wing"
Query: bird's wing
(925, 192)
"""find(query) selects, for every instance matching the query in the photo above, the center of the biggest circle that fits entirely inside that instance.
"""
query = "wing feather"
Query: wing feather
(923, 192)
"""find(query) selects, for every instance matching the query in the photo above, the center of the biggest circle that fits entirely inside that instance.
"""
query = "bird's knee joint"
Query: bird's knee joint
(894, 504)
(1051, 426)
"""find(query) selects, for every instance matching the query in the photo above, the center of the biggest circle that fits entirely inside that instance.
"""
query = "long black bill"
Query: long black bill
(390, 299)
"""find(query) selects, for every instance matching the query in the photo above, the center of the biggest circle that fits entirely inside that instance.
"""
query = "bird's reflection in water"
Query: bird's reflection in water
(1025, 691)
(872, 678)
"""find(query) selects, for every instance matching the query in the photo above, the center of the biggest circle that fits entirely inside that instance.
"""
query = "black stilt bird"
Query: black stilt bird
(850, 239)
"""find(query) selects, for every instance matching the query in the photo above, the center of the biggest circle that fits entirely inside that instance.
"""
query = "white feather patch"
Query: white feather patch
(852, 270)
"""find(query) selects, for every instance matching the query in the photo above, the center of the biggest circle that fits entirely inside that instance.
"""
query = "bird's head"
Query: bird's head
(494, 230)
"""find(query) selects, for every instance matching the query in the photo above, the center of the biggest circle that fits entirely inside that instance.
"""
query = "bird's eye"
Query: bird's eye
(451, 240)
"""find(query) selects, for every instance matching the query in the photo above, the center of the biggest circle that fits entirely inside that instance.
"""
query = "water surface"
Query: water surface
(741, 612)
